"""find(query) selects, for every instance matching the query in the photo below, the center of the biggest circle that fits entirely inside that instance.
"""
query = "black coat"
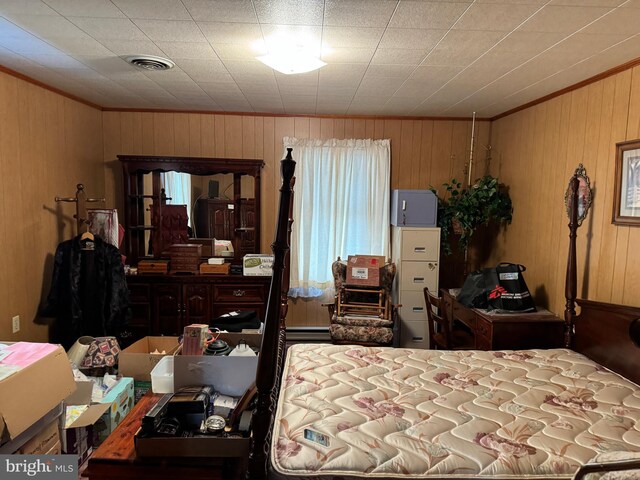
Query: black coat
(88, 293)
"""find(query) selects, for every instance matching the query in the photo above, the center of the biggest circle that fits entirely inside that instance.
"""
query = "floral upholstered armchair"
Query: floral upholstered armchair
(368, 326)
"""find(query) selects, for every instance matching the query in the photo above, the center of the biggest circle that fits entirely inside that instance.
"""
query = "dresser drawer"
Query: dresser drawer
(417, 275)
(421, 244)
(239, 293)
(221, 309)
(138, 293)
(414, 335)
(413, 307)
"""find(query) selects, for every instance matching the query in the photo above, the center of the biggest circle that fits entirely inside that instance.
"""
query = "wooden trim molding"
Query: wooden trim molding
(38, 83)
(596, 78)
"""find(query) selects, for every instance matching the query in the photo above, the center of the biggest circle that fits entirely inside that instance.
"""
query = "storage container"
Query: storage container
(162, 375)
(414, 208)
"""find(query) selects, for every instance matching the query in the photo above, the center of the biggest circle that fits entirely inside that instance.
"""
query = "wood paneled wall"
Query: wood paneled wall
(48, 144)
(536, 152)
(424, 153)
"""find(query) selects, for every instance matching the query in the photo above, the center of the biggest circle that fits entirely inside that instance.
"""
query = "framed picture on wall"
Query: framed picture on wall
(626, 206)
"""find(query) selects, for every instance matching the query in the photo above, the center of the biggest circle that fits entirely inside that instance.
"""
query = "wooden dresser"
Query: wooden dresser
(494, 331)
(164, 304)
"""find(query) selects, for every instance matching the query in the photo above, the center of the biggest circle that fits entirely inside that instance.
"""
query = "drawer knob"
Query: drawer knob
(418, 309)
(239, 293)
(418, 279)
(420, 249)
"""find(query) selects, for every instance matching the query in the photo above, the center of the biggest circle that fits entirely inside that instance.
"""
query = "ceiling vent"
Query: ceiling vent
(149, 62)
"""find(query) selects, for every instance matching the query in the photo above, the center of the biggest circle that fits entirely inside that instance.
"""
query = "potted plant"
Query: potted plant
(463, 209)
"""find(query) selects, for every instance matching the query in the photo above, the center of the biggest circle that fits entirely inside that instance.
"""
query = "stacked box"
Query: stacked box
(208, 269)
(153, 266)
(185, 257)
(364, 270)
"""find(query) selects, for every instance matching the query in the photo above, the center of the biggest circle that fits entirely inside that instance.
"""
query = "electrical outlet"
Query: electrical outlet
(16, 324)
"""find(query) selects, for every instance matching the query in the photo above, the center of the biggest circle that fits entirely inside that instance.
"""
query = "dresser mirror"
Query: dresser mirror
(191, 200)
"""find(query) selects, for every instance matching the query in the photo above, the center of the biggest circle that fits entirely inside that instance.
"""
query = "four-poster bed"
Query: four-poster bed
(354, 412)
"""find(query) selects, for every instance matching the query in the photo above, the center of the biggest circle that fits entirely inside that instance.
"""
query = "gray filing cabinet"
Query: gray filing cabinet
(416, 253)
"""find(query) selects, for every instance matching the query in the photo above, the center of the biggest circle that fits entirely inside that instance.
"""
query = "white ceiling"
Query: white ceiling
(385, 57)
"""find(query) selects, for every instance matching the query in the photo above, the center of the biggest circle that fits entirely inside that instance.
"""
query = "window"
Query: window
(177, 186)
(341, 207)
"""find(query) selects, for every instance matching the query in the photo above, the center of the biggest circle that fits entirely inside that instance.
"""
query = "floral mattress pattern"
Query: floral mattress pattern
(372, 411)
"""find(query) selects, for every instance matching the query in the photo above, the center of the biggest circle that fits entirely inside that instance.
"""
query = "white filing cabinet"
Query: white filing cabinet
(416, 253)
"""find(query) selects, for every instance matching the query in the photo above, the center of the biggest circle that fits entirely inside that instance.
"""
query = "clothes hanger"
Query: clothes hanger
(87, 236)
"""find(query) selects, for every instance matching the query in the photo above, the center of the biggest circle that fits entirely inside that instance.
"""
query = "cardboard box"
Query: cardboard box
(257, 265)
(137, 361)
(97, 422)
(30, 393)
(15, 444)
(43, 441)
(364, 270)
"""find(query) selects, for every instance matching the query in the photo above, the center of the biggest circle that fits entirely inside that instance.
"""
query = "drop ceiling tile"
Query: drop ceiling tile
(257, 89)
(583, 45)
(351, 37)
(439, 73)
(417, 91)
(201, 70)
(397, 56)
(358, 13)
(411, 38)
(231, 33)
(109, 28)
(110, 66)
(256, 82)
(27, 45)
(253, 67)
(462, 47)
(31, 7)
(132, 47)
(226, 87)
(335, 99)
(264, 100)
(171, 30)
(621, 20)
(153, 9)
(588, 3)
(289, 12)
(562, 19)
(345, 90)
(234, 52)
(341, 74)
(298, 90)
(430, 15)
(290, 99)
(238, 106)
(85, 8)
(45, 25)
(379, 86)
(79, 46)
(56, 61)
(236, 11)
(528, 42)
(389, 71)
(309, 79)
(193, 50)
(494, 17)
(348, 55)
(163, 76)
(331, 109)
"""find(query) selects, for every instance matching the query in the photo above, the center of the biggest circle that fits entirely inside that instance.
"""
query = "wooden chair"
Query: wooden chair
(443, 337)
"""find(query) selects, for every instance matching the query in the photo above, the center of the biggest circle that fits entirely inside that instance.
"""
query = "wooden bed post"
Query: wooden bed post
(570, 287)
(272, 337)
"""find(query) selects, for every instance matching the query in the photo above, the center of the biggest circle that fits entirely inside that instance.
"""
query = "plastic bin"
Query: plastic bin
(162, 375)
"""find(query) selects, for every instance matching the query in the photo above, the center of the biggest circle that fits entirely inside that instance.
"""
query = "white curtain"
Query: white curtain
(178, 186)
(341, 207)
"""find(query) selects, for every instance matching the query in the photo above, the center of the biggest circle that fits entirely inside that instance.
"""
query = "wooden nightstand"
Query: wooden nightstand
(511, 331)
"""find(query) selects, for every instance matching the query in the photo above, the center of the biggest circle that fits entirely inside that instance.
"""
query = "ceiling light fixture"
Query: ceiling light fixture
(291, 60)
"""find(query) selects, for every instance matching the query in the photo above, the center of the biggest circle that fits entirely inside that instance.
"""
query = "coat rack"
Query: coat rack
(81, 209)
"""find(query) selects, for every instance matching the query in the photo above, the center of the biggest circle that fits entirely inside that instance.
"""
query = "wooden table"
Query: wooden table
(511, 331)
(116, 458)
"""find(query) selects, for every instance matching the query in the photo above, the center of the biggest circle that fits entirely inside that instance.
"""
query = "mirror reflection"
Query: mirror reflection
(207, 203)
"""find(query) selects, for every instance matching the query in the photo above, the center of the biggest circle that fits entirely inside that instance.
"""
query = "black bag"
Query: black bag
(510, 292)
(476, 287)
(499, 288)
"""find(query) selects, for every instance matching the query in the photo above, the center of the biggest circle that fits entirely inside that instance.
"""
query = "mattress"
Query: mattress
(355, 411)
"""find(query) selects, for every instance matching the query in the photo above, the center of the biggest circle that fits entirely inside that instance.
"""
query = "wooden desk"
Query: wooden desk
(494, 331)
(116, 458)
